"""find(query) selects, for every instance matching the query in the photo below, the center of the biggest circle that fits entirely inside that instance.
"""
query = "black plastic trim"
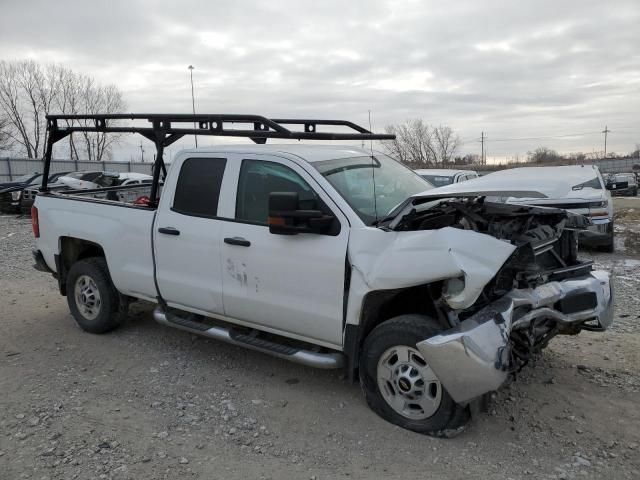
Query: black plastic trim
(62, 274)
(40, 264)
(351, 349)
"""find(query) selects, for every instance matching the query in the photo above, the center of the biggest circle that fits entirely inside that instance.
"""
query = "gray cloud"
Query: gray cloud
(511, 69)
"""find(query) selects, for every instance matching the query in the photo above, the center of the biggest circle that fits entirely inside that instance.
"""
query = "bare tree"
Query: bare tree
(5, 139)
(30, 91)
(413, 143)
(446, 143)
(83, 96)
(27, 91)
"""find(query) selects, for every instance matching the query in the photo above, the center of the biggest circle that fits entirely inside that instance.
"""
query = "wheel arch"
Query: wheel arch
(381, 305)
(71, 250)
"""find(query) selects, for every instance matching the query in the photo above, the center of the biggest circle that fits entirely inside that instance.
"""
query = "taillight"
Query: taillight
(35, 224)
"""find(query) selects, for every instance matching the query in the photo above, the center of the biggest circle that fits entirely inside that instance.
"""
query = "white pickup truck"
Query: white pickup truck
(333, 257)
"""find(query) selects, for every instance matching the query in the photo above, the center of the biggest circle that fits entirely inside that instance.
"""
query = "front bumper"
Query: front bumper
(597, 234)
(473, 358)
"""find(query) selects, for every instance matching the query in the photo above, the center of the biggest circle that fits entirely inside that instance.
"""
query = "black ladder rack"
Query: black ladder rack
(167, 128)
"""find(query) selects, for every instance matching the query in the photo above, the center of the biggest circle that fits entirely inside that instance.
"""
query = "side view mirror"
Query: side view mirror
(285, 217)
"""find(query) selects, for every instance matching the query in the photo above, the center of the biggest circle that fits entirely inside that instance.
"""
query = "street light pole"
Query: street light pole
(605, 131)
(193, 101)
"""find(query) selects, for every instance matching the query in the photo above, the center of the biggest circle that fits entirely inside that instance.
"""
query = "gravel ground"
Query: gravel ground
(147, 402)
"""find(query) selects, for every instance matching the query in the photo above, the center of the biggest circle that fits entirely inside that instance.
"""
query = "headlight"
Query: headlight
(15, 196)
(602, 204)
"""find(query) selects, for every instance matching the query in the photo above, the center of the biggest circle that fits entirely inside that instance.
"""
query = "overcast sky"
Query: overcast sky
(513, 69)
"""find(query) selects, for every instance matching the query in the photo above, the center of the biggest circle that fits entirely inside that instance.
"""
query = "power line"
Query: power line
(544, 137)
(541, 137)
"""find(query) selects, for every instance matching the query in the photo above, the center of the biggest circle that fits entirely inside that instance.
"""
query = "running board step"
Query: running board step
(310, 358)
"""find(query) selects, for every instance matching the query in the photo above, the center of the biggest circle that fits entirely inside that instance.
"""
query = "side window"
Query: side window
(198, 187)
(258, 179)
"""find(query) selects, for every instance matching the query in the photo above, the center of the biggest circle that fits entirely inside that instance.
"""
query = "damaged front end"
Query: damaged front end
(542, 290)
(476, 356)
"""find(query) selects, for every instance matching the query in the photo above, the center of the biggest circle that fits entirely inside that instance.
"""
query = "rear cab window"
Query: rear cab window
(198, 187)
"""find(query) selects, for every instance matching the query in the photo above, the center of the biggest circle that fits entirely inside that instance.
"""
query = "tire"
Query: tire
(93, 300)
(609, 247)
(438, 415)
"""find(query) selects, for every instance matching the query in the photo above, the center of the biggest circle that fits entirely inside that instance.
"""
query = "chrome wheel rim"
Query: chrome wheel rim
(87, 297)
(407, 383)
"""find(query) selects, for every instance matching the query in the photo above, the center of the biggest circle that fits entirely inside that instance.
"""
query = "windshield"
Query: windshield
(438, 180)
(593, 183)
(353, 178)
(23, 178)
(35, 180)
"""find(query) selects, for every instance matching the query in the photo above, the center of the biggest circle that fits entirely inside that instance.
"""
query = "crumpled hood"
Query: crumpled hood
(404, 259)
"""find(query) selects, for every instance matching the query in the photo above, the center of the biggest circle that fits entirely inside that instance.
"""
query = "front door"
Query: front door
(291, 284)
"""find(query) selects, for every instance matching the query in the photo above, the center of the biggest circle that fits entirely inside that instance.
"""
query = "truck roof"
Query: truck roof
(308, 152)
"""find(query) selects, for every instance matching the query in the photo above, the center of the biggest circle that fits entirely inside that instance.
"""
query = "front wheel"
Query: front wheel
(93, 300)
(400, 386)
(609, 247)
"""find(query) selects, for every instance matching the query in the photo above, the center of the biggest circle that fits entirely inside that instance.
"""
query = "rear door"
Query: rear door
(187, 236)
(290, 284)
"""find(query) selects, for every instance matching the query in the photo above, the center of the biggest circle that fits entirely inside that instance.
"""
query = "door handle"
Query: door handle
(169, 231)
(241, 242)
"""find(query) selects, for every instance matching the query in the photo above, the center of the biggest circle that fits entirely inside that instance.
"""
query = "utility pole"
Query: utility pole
(605, 131)
(193, 101)
(141, 151)
(482, 159)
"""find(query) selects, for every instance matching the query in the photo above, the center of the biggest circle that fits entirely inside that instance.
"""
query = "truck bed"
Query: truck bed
(122, 230)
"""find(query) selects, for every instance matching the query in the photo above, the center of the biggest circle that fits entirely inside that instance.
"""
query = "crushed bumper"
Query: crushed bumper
(473, 358)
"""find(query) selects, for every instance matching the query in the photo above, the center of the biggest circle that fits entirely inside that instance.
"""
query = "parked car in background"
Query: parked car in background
(130, 179)
(63, 181)
(10, 197)
(579, 189)
(22, 180)
(90, 180)
(439, 177)
(625, 184)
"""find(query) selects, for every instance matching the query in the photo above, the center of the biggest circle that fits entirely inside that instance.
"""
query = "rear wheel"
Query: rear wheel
(93, 300)
(398, 383)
